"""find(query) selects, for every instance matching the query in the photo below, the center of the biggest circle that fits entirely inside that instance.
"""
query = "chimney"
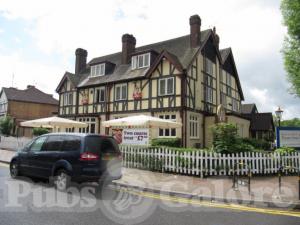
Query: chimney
(195, 35)
(30, 86)
(128, 47)
(217, 38)
(80, 62)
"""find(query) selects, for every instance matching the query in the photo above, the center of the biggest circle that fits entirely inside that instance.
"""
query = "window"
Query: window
(235, 105)
(121, 92)
(209, 66)
(98, 70)
(38, 144)
(223, 99)
(100, 94)
(209, 94)
(140, 61)
(68, 98)
(71, 143)
(194, 126)
(53, 143)
(91, 128)
(166, 86)
(168, 132)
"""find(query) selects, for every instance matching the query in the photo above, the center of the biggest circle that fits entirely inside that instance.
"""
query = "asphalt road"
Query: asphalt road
(29, 202)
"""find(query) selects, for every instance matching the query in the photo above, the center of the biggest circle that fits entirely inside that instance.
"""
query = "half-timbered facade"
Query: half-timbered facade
(184, 79)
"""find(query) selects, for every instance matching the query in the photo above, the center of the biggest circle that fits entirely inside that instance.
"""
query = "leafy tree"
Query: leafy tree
(39, 131)
(6, 125)
(291, 49)
(288, 123)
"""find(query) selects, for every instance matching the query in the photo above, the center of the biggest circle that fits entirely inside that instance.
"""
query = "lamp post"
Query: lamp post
(278, 114)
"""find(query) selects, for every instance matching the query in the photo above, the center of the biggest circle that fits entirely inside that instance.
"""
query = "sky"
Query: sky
(38, 39)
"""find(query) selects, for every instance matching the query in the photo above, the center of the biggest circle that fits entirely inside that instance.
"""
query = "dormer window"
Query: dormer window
(98, 70)
(140, 61)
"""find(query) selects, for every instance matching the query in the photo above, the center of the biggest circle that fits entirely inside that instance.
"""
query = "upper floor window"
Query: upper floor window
(228, 79)
(140, 61)
(166, 86)
(68, 98)
(235, 105)
(120, 92)
(209, 94)
(98, 70)
(100, 94)
(223, 99)
(209, 66)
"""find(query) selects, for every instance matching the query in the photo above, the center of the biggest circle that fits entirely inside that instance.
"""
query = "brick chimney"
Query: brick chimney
(195, 35)
(128, 47)
(80, 62)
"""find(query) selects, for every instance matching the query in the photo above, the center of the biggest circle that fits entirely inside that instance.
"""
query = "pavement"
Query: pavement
(264, 191)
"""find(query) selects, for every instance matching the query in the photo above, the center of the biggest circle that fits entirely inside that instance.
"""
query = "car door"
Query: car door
(31, 159)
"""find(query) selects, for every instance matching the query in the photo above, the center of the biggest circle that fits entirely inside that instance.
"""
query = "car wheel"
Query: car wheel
(61, 180)
(14, 169)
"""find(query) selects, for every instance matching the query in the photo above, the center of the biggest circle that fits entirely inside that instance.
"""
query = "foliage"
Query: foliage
(284, 150)
(226, 139)
(6, 125)
(39, 131)
(169, 142)
(291, 49)
(290, 123)
(257, 144)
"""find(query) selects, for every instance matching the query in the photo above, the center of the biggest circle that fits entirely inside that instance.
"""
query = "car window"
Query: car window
(53, 143)
(38, 144)
(96, 145)
(71, 143)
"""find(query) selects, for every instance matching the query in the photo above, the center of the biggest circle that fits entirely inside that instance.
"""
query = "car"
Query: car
(66, 157)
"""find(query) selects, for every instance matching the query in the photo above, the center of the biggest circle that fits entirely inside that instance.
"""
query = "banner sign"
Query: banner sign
(288, 136)
(135, 136)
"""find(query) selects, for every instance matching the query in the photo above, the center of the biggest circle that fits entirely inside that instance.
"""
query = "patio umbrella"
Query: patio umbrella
(53, 122)
(142, 121)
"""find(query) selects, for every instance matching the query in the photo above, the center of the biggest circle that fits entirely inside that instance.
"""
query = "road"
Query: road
(23, 201)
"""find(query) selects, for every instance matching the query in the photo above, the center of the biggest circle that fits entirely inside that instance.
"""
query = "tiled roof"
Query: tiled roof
(247, 108)
(31, 94)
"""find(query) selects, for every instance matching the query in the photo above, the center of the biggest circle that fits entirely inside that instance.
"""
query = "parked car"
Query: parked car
(66, 157)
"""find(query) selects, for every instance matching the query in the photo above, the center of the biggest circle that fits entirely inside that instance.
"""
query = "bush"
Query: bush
(39, 131)
(169, 142)
(285, 150)
(6, 125)
(258, 144)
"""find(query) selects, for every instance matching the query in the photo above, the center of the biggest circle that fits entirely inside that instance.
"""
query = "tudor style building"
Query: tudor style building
(184, 79)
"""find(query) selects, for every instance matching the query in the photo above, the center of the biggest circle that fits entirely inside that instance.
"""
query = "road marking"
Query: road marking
(4, 164)
(216, 205)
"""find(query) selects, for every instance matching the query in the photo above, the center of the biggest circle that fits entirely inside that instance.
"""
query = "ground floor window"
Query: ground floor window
(194, 126)
(169, 132)
(91, 128)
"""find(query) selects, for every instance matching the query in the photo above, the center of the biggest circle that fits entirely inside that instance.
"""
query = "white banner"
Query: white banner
(135, 136)
(290, 138)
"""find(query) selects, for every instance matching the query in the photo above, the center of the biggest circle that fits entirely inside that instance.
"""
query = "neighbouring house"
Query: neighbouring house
(28, 104)
(184, 79)
(261, 125)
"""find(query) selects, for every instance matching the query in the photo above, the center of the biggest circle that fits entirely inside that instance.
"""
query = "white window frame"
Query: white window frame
(68, 98)
(137, 59)
(98, 70)
(235, 105)
(89, 121)
(194, 127)
(166, 86)
(99, 95)
(121, 97)
(163, 116)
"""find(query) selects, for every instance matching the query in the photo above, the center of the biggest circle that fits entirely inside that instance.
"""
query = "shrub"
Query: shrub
(258, 144)
(285, 150)
(169, 142)
(39, 131)
(6, 125)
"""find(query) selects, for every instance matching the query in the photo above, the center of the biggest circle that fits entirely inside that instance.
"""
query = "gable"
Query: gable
(209, 50)
(3, 97)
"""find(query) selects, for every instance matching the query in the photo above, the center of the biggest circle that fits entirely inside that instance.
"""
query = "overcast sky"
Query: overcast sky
(38, 39)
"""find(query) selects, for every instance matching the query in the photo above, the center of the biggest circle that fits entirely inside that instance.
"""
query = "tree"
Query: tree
(6, 125)
(291, 48)
(37, 131)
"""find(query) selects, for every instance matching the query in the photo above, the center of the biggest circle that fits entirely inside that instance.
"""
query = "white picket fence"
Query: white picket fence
(201, 163)
(13, 143)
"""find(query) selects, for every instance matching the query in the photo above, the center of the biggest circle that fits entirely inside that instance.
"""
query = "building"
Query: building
(184, 79)
(28, 104)
(262, 125)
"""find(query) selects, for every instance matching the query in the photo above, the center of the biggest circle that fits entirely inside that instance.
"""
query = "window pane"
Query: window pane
(93, 128)
(124, 92)
(53, 143)
(167, 132)
(147, 60)
(133, 62)
(173, 132)
(167, 117)
(161, 116)
(173, 117)
(170, 86)
(97, 70)
(162, 84)
(118, 92)
(71, 143)
(140, 61)
(161, 132)
(102, 95)
(37, 145)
